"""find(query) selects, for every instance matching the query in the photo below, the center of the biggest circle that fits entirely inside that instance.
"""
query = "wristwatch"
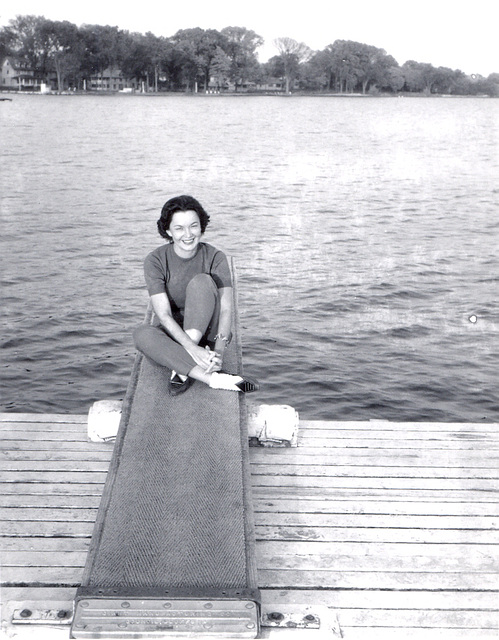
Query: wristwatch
(226, 339)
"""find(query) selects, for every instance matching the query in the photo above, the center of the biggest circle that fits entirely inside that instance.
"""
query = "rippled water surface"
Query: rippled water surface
(366, 234)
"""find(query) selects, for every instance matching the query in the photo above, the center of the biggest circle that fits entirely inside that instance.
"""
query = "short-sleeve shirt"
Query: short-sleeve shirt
(166, 272)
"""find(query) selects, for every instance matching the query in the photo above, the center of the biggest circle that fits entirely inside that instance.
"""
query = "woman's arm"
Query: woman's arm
(162, 309)
(225, 319)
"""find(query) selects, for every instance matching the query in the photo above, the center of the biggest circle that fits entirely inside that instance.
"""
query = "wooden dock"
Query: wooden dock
(382, 530)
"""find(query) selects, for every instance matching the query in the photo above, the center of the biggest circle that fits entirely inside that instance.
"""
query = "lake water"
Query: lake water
(366, 235)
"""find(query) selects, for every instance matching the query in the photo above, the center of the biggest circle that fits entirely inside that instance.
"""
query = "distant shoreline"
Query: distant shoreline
(249, 94)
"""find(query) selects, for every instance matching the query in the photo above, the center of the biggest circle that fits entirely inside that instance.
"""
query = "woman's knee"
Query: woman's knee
(202, 282)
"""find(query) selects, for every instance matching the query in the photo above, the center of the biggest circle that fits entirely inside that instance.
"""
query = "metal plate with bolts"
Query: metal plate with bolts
(319, 621)
(291, 621)
(32, 615)
(120, 618)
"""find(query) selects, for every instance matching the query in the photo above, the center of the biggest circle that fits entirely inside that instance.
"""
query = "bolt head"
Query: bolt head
(276, 616)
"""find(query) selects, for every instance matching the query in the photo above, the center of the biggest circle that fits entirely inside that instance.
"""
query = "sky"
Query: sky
(450, 33)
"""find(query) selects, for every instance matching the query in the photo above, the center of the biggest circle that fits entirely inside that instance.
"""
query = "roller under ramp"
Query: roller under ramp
(173, 548)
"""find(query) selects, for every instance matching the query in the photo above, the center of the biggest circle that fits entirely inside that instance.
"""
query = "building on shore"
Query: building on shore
(17, 75)
(112, 79)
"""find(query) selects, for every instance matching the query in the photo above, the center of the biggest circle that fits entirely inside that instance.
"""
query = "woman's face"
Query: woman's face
(185, 231)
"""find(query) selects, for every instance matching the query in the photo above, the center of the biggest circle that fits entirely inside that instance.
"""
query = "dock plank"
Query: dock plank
(440, 484)
(420, 507)
(48, 456)
(58, 466)
(408, 459)
(358, 471)
(476, 563)
(387, 443)
(282, 578)
(40, 418)
(47, 514)
(394, 526)
(385, 425)
(99, 461)
(371, 534)
(370, 600)
(14, 444)
(25, 428)
(51, 488)
(388, 580)
(43, 477)
(341, 520)
(410, 438)
(374, 493)
(302, 505)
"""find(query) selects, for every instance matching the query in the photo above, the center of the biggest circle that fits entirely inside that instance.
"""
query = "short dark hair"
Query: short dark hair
(180, 203)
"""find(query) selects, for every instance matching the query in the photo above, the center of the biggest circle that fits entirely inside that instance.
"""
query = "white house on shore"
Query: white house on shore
(17, 75)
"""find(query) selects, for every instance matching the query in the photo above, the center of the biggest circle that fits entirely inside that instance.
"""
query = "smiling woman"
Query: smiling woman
(190, 286)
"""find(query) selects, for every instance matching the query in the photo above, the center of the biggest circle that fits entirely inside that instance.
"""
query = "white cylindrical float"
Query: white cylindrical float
(103, 420)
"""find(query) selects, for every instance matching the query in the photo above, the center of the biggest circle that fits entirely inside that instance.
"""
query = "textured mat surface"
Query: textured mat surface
(176, 512)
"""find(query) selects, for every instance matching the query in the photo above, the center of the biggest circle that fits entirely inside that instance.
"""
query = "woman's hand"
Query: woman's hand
(206, 358)
(216, 364)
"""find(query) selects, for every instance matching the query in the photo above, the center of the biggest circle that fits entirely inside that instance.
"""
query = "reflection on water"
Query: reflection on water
(365, 234)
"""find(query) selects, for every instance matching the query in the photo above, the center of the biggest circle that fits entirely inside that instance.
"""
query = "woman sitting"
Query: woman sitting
(190, 286)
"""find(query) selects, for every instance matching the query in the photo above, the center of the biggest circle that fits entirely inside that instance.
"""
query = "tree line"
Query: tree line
(201, 58)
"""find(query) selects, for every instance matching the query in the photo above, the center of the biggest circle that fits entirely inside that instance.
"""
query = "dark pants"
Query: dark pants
(202, 308)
